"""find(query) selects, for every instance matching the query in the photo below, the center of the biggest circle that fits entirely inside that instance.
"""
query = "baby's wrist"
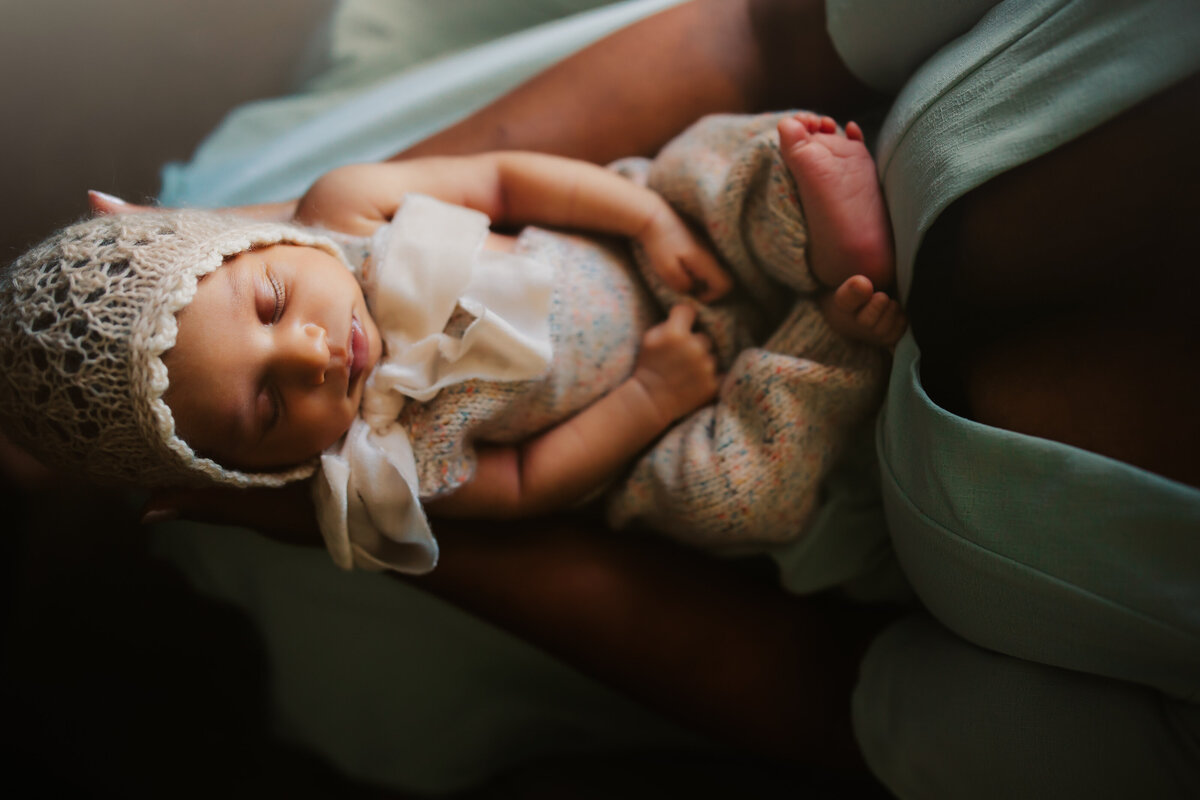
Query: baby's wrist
(652, 398)
(655, 219)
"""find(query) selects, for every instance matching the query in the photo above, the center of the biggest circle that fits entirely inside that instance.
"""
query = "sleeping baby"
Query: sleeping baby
(690, 338)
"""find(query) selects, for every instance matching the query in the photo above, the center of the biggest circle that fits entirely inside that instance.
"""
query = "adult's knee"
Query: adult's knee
(938, 717)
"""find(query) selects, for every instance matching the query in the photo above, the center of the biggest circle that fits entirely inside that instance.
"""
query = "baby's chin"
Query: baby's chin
(263, 462)
(335, 444)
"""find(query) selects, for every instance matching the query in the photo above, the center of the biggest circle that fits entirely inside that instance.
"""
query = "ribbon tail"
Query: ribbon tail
(368, 507)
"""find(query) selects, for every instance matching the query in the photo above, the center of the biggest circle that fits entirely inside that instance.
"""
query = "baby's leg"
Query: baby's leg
(726, 175)
(849, 232)
(749, 468)
(859, 312)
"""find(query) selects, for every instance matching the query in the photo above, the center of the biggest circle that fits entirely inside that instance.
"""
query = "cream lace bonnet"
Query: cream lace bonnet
(84, 319)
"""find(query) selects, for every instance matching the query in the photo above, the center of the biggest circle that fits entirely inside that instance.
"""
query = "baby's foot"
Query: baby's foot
(848, 229)
(858, 312)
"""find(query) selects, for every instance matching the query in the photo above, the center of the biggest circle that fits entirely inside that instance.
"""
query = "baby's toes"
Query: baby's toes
(891, 324)
(897, 329)
(810, 121)
(887, 319)
(794, 134)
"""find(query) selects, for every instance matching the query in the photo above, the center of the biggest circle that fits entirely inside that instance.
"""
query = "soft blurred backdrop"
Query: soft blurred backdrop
(118, 679)
(98, 94)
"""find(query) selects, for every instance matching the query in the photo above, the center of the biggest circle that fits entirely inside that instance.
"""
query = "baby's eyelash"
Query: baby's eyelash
(277, 287)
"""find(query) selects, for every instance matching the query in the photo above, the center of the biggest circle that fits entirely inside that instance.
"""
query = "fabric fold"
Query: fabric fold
(424, 267)
(440, 246)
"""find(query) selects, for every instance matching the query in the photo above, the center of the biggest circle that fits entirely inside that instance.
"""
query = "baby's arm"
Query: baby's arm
(675, 375)
(519, 188)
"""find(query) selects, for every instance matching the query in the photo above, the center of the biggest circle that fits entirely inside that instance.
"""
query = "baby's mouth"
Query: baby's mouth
(357, 350)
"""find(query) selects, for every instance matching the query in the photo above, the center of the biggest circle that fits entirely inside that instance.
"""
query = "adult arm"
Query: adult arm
(704, 643)
(631, 92)
(711, 646)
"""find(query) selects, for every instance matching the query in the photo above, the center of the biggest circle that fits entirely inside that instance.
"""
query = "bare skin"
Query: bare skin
(1086, 339)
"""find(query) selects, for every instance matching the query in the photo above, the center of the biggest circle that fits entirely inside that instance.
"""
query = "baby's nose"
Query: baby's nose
(306, 356)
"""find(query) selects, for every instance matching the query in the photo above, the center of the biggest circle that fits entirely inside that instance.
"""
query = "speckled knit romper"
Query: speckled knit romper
(745, 469)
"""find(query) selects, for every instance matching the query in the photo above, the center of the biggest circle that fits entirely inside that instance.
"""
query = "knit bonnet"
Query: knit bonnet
(85, 317)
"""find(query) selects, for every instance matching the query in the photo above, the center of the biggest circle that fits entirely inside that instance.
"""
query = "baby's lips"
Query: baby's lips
(357, 348)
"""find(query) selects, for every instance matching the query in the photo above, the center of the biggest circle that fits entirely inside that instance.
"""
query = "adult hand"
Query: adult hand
(21, 469)
(284, 514)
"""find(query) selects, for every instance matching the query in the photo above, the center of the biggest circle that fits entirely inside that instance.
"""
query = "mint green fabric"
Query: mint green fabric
(1073, 580)
(952, 720)
(884, 43)
(1041, 550)
(370, 41)
(374, 103)
(845, 545)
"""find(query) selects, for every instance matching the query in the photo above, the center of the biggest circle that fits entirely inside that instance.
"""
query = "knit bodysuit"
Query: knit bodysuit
(745, 469)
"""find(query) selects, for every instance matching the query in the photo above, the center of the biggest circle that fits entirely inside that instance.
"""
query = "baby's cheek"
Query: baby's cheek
(314, 427)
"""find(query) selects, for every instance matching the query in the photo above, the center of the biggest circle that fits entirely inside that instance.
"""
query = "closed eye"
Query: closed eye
(280, 297)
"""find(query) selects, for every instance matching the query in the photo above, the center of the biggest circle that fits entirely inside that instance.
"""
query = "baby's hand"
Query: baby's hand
(681, 259)
(676, 367)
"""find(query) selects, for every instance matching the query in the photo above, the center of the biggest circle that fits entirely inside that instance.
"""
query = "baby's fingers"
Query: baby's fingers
(681, 319)
(674, 274)
(710, 281)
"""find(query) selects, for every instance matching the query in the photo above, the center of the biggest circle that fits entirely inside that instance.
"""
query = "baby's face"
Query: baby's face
(271, 357)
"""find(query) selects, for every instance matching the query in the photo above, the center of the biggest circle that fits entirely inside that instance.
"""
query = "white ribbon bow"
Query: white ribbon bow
(427, 262)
